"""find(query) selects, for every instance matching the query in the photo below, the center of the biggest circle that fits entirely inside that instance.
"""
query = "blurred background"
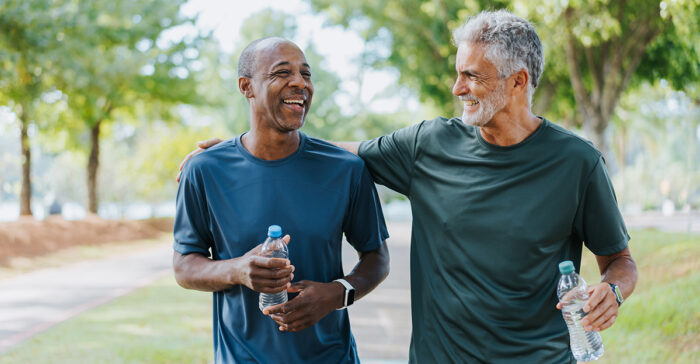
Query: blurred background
(101, 100)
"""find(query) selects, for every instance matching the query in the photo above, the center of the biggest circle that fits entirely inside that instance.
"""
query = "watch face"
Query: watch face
(351, 296)
(618, 293)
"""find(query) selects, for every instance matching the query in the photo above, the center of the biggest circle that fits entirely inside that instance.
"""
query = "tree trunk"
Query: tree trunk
(25, 199)
(594, 126)
(93, 164)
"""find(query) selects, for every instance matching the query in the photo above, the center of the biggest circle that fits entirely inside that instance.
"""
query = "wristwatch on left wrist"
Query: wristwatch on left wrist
(349, 295)
(618, 293)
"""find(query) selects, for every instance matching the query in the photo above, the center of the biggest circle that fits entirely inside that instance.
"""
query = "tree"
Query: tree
(607, 46)
(610, 45)
(119, 67)
(31, 39)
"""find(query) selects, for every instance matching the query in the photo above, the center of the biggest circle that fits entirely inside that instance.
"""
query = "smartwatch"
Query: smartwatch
(349, 296)
(617, 292)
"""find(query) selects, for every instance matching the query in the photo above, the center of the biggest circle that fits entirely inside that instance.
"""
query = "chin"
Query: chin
(475, 120)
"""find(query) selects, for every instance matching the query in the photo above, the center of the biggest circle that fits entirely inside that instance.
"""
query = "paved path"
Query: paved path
(34, 302)
(381, 322)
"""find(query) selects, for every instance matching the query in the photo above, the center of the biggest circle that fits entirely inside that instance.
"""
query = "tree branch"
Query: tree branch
(580, 93)
(596, 75)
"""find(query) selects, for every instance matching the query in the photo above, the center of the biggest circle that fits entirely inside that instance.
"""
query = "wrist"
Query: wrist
(337, 295)
(617, 292)
(233, 271)
(348, 293)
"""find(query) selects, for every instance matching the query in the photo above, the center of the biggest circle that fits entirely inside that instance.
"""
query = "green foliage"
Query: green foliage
(660, 322)
(418, 36)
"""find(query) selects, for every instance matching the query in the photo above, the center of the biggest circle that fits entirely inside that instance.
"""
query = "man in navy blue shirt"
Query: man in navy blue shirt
(274, 174)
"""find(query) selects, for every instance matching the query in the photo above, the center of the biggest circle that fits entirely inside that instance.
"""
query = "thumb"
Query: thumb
(255, 251)
(286, 239)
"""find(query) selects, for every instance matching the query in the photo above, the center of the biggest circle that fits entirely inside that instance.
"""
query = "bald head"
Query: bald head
(247, 61)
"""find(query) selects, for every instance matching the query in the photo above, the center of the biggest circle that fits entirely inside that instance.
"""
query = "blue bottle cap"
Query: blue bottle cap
(274, 231)
(566, 267)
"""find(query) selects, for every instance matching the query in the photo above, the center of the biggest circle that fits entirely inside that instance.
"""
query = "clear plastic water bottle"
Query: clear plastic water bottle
(573, 294)
(273, 247)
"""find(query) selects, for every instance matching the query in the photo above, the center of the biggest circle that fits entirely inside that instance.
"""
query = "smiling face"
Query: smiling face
(280, 90)
(478, 85)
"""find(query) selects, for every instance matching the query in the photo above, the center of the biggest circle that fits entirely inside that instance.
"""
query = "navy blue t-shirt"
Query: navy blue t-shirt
(226, 200)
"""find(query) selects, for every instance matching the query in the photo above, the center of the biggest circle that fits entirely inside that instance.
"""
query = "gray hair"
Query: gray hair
(511, 44)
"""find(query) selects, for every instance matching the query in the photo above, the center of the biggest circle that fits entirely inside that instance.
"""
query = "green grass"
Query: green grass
(660, 322)
(162, 323)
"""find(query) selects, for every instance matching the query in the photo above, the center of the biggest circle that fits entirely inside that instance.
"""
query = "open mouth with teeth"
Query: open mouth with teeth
(470, 102)
(295, 104)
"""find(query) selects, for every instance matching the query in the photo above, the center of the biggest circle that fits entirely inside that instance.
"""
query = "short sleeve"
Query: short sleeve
(598, 221)
(390, 157)
(364, 225)
(191, 230)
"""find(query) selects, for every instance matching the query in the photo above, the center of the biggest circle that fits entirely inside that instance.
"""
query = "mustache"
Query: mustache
(297, 93)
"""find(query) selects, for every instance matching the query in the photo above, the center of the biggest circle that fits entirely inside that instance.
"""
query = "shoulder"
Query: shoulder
(570, 145)
(209, 158)
(324, 151)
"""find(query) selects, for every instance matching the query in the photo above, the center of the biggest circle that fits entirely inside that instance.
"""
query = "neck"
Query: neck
(507, 129)
(271, 144)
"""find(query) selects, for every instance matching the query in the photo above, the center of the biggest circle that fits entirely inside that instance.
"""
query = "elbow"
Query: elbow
(180, 271)
(386, 261)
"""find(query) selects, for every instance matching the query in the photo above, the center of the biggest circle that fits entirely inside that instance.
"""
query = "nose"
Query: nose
(460, 87)
(297, 80)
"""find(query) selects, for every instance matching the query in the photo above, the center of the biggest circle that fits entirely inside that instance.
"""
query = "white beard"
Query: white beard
(488, 107)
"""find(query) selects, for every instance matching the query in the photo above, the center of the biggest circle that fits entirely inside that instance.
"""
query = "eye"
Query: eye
(282, 73)
(306, 74)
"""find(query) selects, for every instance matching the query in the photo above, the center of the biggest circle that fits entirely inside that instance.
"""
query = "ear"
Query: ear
(520, 80)
(246, 87)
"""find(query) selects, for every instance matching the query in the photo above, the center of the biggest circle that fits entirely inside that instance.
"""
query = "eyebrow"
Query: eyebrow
(285, 63)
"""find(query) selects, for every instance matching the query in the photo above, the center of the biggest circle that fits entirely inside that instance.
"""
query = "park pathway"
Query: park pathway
(33, 302)
(381, 321)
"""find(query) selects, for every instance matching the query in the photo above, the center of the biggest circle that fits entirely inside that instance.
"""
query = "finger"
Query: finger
(177, 179)
(286, 239)
(208, 143)
(188, 156)
(299, 325)
(296, 287)
(265, 289)
(278, 285)
(271, 263)
(559, 305)
(596, 297)
(607, 323)
(274, 309)
(605, 315)
(594, 316)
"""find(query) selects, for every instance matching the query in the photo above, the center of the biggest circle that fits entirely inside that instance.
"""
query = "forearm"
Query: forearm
(351, 147)
(370, 271)
(620, 270)
(195, 271)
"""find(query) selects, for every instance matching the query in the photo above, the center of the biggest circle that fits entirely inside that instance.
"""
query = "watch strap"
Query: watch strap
(346, 294)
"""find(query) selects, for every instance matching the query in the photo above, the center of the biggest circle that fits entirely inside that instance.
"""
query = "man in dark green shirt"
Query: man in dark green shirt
(499, 198)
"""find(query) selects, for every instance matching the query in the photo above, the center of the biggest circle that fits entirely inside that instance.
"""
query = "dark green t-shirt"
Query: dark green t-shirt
(490, 226)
